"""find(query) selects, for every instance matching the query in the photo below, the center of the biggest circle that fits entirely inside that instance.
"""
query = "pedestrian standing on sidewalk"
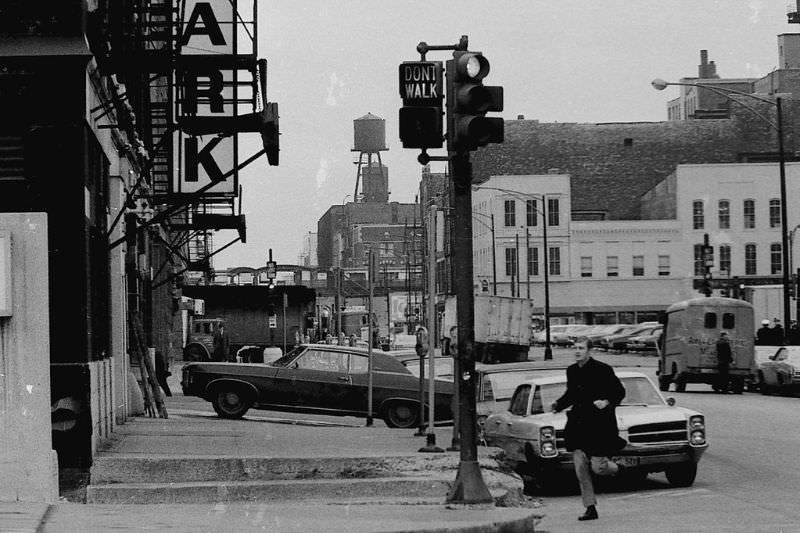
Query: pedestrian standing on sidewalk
(593, 392)
(724, 359)
(222, 344)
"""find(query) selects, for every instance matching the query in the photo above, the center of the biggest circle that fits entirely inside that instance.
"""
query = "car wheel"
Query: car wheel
(401, 415)
(737, 385)
(195, 353)
(231, 403)
(682, 474)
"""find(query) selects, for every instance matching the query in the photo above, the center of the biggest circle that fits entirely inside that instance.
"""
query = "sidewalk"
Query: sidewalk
(193, 436)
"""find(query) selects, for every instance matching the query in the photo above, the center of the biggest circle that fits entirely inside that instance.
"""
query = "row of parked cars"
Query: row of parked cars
(641, 337)
(512, 404)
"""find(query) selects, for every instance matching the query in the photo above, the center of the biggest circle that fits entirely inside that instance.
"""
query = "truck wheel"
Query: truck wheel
(682, 474)
(401, 415)
(737, 385)
(664, 382)
(680, 383)
(231, 402)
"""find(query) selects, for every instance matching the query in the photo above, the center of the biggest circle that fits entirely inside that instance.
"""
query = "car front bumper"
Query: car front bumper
(651, 458)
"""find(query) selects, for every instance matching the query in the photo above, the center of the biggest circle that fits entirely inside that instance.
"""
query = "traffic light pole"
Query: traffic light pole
(469, 487)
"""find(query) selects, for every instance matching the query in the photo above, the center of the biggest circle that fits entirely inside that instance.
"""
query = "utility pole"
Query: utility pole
(527, 262)
(371, 274)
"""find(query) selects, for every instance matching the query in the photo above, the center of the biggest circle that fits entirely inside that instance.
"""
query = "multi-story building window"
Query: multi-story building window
(775, 259)
(533, 261)
(553, 217)
(725, 258)
(750, 259)
(586, 267)
(612, 266)
(749, 214)
(774, 213)
(663, 265)
(554, 258)
(724, 211)
(511, 262)
(699, 269)
(510, 213)
(697, 215)
(531, 213)
(638, 265)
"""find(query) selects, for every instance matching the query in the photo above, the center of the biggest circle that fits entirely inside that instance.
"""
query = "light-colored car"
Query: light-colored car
(496, 383)
(560, 334)
(661, 437)
(780, 371)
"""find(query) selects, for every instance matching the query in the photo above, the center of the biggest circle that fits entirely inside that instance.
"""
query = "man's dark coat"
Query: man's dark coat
(588, 428)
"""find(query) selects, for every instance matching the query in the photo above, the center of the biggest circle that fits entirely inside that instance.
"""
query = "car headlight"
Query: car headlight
(547, 442)
(697, 422)
(698, 437)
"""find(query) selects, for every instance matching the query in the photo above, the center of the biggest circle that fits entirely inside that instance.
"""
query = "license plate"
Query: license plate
(626, 461)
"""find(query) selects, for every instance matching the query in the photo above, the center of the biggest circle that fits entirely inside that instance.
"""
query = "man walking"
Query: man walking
(591, 433)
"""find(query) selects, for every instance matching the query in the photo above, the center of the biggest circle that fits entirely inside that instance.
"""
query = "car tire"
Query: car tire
(402, 415)
(737, 386)
(231, 402)
(682, 474)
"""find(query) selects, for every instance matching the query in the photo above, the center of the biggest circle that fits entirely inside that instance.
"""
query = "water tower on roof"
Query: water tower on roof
(370, 140)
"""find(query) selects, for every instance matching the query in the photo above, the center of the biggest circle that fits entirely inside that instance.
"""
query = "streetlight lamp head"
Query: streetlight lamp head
(659, 84)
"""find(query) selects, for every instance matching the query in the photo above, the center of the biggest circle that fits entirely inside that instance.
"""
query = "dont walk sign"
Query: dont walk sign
(421, 83)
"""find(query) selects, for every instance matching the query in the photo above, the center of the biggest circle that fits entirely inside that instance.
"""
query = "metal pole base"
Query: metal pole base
(430, 445)
(548, 354)
(369, 422)
(455, 445)
(469, 486)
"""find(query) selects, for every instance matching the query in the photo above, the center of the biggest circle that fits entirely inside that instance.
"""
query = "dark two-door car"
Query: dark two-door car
(317, 378)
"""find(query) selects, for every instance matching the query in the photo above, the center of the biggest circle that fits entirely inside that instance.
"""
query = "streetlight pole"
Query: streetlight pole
(548, 350)
(660, 85)
(494, 251)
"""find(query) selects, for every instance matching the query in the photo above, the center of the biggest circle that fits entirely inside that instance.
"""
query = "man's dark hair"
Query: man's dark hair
(587, 340)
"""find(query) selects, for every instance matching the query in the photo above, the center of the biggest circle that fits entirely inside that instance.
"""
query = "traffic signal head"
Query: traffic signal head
(469, 100)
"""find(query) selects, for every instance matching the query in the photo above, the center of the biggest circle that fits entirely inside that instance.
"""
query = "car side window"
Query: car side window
(519, 402)
(536, 405)
(322, 360)
(358, 364)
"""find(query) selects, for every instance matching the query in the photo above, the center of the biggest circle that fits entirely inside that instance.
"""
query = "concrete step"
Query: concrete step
(422, 489)
(116, 468)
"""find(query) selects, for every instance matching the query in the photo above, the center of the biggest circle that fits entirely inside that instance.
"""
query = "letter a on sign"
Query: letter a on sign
(209, 27)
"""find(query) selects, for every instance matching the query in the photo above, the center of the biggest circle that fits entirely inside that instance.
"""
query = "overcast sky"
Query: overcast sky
(333, 61)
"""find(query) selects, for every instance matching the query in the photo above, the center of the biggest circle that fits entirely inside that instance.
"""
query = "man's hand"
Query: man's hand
(601, 404)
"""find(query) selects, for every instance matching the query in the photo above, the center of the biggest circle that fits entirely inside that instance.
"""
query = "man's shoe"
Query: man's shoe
(590, 514)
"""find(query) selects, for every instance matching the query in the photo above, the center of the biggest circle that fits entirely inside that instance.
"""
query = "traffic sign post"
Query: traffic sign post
(468, 100)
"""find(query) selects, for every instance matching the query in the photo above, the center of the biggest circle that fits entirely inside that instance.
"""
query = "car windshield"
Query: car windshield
(290, 355)
(638, 391)
(443, 367)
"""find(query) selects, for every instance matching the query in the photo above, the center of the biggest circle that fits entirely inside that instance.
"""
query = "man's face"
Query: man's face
(581, 352)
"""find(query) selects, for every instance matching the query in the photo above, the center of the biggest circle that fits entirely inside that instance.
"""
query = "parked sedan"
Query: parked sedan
(316, 378)
(781, 371)
(619, 341)
(646, 342)
(660, 436)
